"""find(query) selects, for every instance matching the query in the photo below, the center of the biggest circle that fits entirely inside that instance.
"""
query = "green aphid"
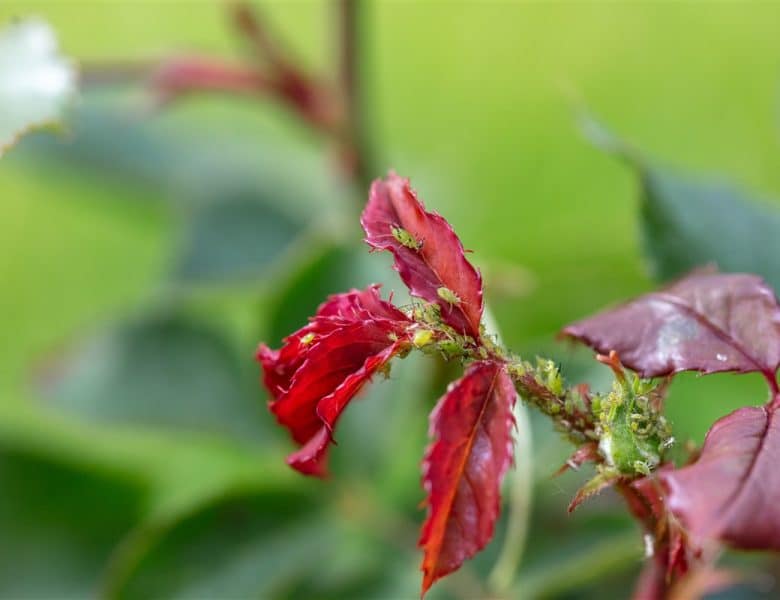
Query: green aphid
(307, 339)
(405, 238)
(632, 435)
(429, 314)
(451, 348)
(448, 296)
(422, 337)
(384, 370)
(518, 369)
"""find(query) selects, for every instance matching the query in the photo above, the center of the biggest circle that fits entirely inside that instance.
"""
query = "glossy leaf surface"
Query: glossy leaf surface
(429, 257)
(323, 366)
(704, 322)
(462, 471)
(730, 493)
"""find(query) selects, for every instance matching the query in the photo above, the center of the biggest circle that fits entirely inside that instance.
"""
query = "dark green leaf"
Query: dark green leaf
(689, 222)
(238, 235)
(59, 526)
(163, 370)
(242, 202)
(114, 145)
(186, 158)
(249, 547)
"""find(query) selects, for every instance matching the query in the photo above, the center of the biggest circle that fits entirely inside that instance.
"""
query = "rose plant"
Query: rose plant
(706, 322)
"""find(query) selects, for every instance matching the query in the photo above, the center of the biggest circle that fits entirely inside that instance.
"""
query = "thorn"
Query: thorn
(613, 362)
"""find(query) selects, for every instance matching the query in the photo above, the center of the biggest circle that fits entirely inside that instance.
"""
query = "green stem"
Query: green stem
(616, 554)
(520, 483)
(520, 495)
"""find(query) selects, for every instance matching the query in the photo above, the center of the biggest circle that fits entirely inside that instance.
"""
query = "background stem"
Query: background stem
(353, 56)
(359, 157)
(520, 484)
(611, 556)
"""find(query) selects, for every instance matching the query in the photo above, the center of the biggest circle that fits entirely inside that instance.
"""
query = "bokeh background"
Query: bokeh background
(144, 254)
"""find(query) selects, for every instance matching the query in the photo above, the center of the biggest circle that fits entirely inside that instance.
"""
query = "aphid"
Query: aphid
(448, 296)
(450, 348)
(307, 339)
(642, 467)
(405, 238)
(384, 370)
(427, 313)
(518, 368)
(422, 337)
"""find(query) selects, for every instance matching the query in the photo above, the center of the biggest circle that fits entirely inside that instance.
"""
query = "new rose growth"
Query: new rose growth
(707, 322)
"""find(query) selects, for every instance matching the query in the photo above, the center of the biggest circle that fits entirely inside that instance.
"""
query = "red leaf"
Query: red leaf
(588, 452)
(594, 486)
(647, 503)
(357, 305)
(463, 467)
(651, 584)
(731, 492)
(322, 366)
(705, 582)
(336, 312)
(701, 583)
(428, 254)
(704, 322)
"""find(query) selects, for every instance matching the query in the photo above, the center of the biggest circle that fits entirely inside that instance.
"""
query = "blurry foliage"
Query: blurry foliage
(175, 369)
(165, 370)
(147, 469)
(688, 222)
(60, 524)
(235, 236)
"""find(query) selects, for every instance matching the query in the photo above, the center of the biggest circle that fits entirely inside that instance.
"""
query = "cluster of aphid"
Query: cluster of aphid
(633, 434)
(626, 425)
(622, 432)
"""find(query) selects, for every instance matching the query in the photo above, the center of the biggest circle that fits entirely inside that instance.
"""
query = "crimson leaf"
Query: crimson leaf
(710, 323)
(463, 467)
(705, 322)
(323, 365)
(730, 493)
(429, 257)
(672, 552)
(588, 452)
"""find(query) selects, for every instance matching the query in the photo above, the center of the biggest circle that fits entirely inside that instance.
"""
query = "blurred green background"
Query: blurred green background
(145, 254)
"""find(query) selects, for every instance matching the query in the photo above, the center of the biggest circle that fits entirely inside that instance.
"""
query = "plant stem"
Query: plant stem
(357, 146)
(618, 553)
(521, 490)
